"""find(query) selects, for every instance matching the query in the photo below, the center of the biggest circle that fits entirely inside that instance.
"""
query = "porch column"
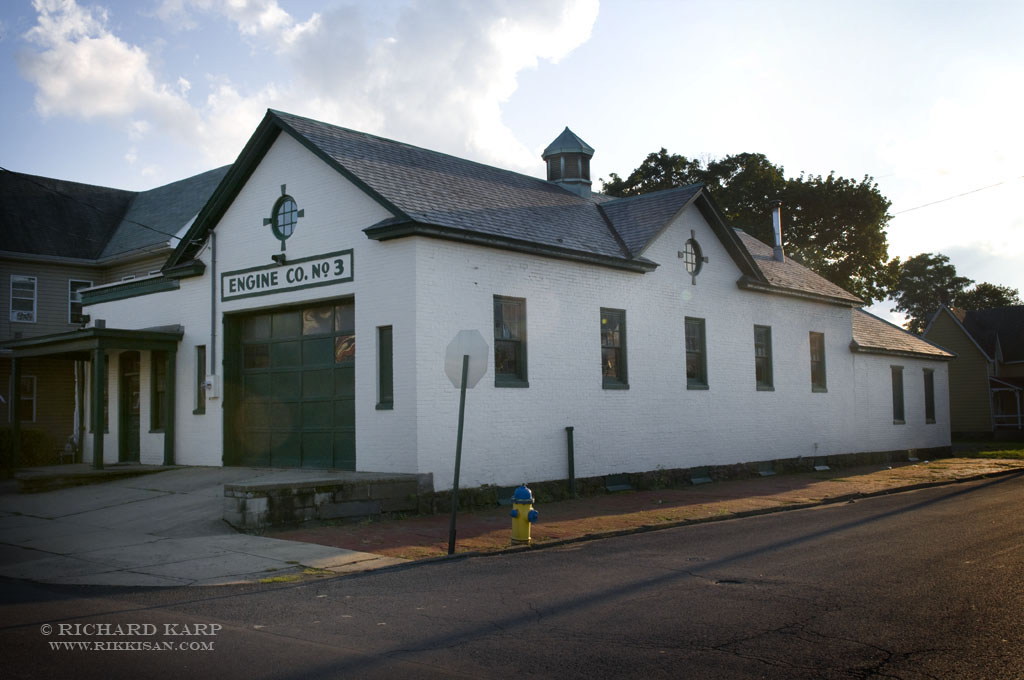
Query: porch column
(99, 388)
(169, 399)
(15, 410)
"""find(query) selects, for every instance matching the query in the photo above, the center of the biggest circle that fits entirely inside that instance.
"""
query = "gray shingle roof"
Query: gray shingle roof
(433, 188)
(567, 142)
(45, 216)
(790, 275)
(1006, 323)
(874, 335)
(641, 218)
(157, 213)
(433, 194)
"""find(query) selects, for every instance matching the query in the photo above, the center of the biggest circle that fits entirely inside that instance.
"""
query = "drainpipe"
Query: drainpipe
(213, 310)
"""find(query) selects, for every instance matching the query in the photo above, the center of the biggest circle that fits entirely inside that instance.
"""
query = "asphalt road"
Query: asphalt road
(926, 584)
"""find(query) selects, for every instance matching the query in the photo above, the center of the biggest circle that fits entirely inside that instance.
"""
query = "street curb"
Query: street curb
(845, 498)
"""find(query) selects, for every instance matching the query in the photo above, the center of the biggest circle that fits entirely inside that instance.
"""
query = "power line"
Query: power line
(950, 198)
(53, 190)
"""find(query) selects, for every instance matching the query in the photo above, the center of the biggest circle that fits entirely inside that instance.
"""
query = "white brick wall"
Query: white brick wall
(428, 290)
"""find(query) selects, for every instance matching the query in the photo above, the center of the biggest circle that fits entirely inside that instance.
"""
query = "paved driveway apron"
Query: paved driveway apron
(161, 529)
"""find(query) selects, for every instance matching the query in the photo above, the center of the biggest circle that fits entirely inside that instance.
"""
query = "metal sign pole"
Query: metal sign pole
(458, 455)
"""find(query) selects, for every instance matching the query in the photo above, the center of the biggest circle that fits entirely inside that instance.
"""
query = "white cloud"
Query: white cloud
(434, 74)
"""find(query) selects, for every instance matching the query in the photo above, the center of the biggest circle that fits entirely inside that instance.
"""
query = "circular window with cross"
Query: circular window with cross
(284, 217)
(693, 257)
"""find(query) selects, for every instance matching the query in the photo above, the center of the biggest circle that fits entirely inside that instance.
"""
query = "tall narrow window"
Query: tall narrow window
(613, 349)
(763, 357)
(897, 395)
(819, 382)
(510, 342)
(200, 380)
(158, 390)
(929, 396)
(385, 369)
(23, 298)
(696, 355)
(75, 299)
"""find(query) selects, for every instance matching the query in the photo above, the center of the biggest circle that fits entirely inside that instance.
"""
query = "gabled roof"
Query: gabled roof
(642, 218)
(429, 193)
(873, 335)
(52, 217)
(790, 276)
(1001, 327)
(157, 213)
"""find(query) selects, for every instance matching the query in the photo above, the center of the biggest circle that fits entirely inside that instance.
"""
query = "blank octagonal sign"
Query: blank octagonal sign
(469, 342)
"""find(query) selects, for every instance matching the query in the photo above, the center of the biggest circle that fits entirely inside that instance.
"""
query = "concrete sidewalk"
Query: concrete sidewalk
(598, 516)
(165, 529)
(162, 529)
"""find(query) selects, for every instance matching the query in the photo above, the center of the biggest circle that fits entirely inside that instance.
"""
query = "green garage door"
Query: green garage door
(296, 402)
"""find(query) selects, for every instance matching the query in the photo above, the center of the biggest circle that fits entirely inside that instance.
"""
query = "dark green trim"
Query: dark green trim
(77, 344)
(739, 254)
(621, 381)
(385, 368)
(185, 270)
(169, 397)
(243, 167)
(522, 376)
(393, 230)
(701, 382)
(765, 388)
(510, 382)
(129, 289)
(99, 390)
(269, 267)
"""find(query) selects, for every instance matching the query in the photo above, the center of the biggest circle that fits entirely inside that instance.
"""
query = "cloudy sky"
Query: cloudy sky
(926, 97)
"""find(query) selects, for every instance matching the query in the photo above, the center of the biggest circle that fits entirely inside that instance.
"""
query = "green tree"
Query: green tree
(925, 282)
(834, 225)
(986, 296)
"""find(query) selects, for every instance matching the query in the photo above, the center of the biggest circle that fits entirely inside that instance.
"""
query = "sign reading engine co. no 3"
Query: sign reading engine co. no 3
(319, 270)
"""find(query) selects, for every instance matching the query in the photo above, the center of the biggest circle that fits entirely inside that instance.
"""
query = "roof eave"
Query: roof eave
(866, 349)
(746, 283)
(391, 230)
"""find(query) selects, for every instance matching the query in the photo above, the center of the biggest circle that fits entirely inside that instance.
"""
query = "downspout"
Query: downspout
(213, 309)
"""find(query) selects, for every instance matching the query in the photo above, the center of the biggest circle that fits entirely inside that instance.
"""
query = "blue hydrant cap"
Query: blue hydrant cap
(522, 495)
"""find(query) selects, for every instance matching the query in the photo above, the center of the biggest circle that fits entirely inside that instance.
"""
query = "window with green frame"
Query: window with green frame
(897, 395)
(763, 358)
(696, 355)
(614, 373)
(929, 396)
(510, 342)
(819, 382)
(200, 370)
(385, 369)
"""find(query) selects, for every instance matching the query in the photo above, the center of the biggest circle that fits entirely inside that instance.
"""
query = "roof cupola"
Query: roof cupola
(568, 161)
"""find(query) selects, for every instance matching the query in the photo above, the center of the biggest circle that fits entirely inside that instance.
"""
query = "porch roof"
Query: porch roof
(78, 344)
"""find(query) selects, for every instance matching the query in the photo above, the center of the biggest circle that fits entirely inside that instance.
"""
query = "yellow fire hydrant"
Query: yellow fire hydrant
(523, 515)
